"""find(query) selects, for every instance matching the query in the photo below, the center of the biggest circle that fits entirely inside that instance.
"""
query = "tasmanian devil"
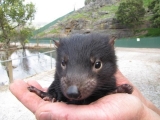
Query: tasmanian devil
(85, 68)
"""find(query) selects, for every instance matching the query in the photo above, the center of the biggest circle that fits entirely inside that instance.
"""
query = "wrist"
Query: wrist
(153, 107)
(149, 114)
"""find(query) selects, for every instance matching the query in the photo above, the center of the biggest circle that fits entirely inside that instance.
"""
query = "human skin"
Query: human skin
(111, 107)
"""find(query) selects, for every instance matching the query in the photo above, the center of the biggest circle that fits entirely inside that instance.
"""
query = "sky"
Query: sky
(49, 10)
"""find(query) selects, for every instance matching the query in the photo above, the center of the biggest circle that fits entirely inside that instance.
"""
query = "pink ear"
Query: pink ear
(111, 41)
(56, 43)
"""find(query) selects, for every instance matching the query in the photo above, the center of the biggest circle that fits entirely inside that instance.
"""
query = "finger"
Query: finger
(109, 107)
(27, 98)
(61, 110)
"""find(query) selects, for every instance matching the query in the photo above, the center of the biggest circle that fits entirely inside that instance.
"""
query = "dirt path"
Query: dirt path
(140, 66)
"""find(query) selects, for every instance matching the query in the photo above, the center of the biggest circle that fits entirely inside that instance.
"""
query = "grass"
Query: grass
(151, 32)
(55, 31)
(41, 34)
(77, 16)
(110, 8)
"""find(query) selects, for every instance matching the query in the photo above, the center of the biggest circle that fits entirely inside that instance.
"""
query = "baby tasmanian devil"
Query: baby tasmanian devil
(85, 68)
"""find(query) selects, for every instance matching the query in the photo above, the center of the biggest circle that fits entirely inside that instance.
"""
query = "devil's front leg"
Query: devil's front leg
(43, 95)
(124, 88)
(53, 93)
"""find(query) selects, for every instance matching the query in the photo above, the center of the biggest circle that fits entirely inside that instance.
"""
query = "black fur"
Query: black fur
(75, 65)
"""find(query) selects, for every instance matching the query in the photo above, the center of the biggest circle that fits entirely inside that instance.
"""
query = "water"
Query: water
(28, 66)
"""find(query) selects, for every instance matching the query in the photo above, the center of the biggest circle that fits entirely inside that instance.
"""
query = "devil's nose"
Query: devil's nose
(72, 92)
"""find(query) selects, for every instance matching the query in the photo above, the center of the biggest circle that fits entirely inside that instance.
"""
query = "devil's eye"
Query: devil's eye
(97, 64)
(63, 63)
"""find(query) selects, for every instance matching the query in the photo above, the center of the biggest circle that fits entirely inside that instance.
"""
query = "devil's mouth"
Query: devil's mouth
(78, 91)
(74, 99)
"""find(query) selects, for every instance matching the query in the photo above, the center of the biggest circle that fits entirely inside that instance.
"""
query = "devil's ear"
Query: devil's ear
(111, 41)
(56, 42)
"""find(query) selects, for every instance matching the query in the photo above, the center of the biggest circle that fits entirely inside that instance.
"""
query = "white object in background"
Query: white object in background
(138, 39)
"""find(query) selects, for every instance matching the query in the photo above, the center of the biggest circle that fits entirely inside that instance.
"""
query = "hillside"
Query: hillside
(97, 16)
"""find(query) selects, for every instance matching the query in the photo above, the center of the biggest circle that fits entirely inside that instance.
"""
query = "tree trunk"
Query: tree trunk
(9, 69)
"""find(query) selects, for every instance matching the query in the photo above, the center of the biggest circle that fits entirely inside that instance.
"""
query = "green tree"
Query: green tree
(130, 13)
(14, 13)
(154, 7)
(23, 33)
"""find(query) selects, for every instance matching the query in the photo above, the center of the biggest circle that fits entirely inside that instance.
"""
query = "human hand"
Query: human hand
(115, 106)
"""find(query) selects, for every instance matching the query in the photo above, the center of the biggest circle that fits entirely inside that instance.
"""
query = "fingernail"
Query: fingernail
(45, 116)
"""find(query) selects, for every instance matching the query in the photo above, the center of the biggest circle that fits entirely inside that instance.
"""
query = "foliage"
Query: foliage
(146, 3)
(130, 13)
(26, 41)
(23, 34)
(154, 7)
(14, 13)
(150, 32)
(153, 32)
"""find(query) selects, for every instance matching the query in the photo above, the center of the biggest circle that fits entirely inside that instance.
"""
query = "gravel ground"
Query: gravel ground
(140, 66)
